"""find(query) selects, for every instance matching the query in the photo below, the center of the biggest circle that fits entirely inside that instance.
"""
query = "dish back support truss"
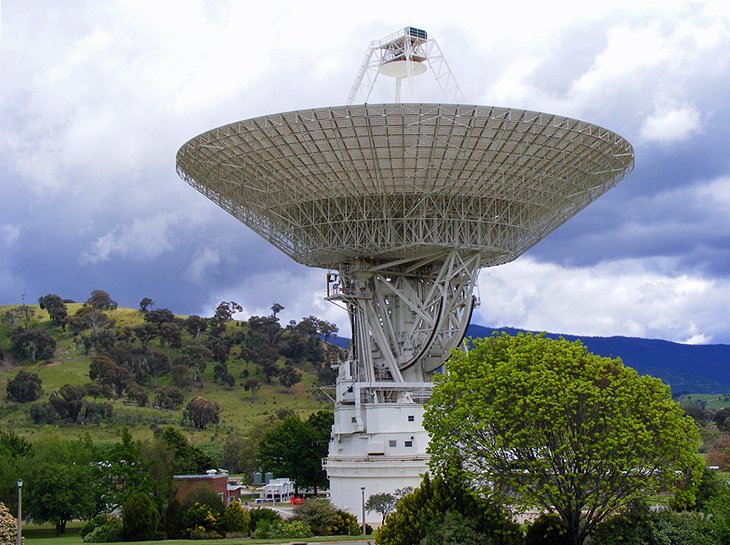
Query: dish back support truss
(407, 315)
(414, 51)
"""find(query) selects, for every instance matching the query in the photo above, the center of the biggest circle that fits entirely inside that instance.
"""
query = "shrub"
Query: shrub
(199, 532)
(347, 525)
(631, 527)
(262, 515)
(203, 494)
(93, 523)
(455, 529)
(174, 519)
(200, 518)
(639, 526)
(8, 526)
(110, 531)
(43, 413)
(95, 413)
(319, 514)
(718, 508)
(546, 530)
(685, 528)
(236, 519)
(278, 529)
(431, 501)
(139, 517)
(297, 529)
(268, 529)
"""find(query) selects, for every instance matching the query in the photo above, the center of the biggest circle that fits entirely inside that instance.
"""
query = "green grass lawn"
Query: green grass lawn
(46, 536)
(713, 401)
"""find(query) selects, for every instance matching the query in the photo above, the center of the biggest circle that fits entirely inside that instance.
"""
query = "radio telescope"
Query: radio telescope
(402, 204)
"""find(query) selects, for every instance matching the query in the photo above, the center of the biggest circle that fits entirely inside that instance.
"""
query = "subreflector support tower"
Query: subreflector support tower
(402, 203)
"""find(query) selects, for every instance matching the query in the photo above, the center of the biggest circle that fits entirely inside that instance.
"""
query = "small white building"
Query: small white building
(277, 490)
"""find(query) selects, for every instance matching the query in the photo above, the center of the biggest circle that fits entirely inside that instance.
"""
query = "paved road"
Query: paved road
(367, 542)
(359, 542)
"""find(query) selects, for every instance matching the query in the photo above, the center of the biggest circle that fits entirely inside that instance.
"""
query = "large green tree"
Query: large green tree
(200, 412)
(121, 472)
(106, 372)
(382, 502)
(100, 300)
(59, 481)
(25, 386)
(549, 424)
(55, 307)
(239, 454)
(15, 451)
(295, 449)
(288, 376)
(34, 344)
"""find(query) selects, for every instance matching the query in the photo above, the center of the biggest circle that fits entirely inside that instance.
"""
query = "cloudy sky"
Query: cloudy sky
(97, 96)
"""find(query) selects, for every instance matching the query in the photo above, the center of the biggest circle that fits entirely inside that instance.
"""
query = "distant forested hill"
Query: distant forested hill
(702, 369)
(685, 367)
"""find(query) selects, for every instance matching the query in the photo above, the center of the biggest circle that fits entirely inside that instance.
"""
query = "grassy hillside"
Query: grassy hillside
(70, 365)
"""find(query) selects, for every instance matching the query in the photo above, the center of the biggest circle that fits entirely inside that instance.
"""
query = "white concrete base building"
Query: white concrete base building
(378, 441)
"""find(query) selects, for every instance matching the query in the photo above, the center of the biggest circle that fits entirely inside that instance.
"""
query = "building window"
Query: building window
(409, 443)
(392, 443)
(354, 419)
(411, 418)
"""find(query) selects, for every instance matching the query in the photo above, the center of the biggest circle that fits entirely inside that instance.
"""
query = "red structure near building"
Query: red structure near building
(227, 491)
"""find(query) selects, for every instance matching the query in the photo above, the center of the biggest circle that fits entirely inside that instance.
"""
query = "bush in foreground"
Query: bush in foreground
(8, 526)
(640, 526)
(419, 515)
(201, 522)
(139, 518)
(236, 519)
(279, 529)
(261, 516)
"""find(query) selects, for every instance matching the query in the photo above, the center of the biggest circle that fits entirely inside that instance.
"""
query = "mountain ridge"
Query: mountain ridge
(696, 368)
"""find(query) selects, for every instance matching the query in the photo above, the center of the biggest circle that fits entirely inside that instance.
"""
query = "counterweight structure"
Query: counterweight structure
(402, 204)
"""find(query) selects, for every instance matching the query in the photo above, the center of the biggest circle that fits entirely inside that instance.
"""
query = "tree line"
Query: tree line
(69, 479)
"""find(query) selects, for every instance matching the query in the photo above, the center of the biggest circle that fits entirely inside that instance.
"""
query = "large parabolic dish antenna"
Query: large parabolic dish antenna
(407, 202)
(384, 182)
(402, 203)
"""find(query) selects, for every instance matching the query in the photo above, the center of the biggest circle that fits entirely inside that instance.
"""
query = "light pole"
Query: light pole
(362, 489)
(20, 511)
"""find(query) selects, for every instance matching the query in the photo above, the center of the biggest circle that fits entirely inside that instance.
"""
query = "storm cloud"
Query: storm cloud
(97, 97)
